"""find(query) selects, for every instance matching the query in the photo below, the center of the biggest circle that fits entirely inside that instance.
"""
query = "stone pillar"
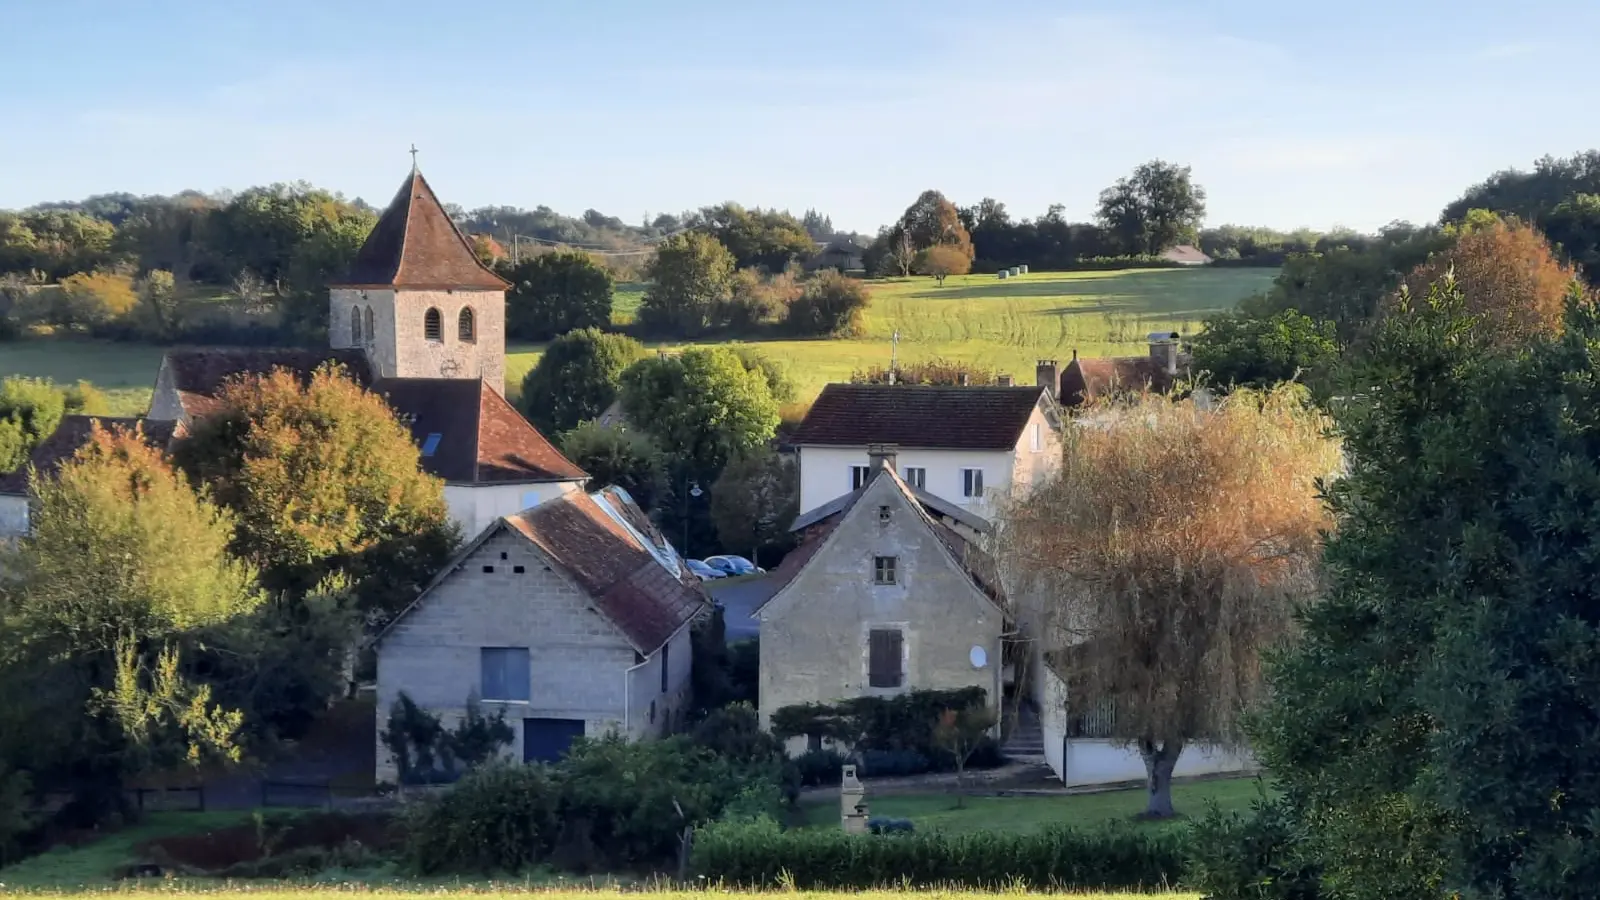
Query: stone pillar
(852, 803)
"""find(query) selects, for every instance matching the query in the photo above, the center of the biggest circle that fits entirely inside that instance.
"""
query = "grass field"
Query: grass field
(937, 812)
(1005, 324)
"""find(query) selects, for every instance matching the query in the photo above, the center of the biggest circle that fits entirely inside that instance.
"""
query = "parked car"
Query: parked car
(702, 571)
(732, 565)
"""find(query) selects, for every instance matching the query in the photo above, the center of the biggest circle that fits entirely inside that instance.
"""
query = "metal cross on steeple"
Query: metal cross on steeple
(413, 157)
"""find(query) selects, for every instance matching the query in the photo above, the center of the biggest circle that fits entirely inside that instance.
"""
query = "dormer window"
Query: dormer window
(466, 327)
(433, 326)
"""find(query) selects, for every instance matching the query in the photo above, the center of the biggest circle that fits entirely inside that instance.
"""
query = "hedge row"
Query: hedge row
(759, 854)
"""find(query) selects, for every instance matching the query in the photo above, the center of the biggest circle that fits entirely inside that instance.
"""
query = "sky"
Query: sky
(1290, 114)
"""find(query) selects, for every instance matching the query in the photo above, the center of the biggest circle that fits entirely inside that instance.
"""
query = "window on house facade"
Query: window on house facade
(917, 477)
(372, 334)
(972, 482)
(432, 325)
(858, 476)
(885, 570)
(1038, 437)
(466, 326)
(666, 659)
(506, 675)
(885, 647)
(355, 325)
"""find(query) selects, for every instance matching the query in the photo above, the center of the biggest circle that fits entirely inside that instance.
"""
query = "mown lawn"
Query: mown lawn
(1006, 324)
(938, 812)
(99, 859)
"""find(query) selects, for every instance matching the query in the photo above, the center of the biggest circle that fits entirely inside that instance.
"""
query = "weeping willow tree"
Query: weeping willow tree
(1168, 552)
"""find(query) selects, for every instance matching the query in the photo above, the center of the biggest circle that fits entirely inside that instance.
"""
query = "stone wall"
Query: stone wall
(579, 665)
(814, 633)
(397, 345)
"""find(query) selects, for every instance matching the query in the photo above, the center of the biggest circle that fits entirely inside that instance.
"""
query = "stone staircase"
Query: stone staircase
(1025, 741)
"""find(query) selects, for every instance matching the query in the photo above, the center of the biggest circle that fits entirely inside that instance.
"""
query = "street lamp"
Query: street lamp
(691, 489)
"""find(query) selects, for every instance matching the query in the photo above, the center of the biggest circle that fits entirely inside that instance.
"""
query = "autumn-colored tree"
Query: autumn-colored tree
(94, 298)
(1505, 269)
(931, 220)
(124, 565)
(1166, 556)
(322, 479)
(941, 261)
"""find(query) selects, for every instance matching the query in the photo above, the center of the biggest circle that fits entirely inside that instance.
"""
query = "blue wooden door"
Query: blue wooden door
(547, 740)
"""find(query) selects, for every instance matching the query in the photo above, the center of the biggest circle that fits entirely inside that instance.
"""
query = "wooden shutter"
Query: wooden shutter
(883, 658)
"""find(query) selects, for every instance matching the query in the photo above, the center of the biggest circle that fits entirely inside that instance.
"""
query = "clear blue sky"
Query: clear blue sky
(1353, 113)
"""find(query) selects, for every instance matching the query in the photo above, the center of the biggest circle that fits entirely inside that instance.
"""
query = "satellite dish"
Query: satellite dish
(979, 657)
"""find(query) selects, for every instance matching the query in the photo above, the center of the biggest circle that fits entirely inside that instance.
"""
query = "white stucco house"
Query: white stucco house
(968, 445)
(572, 619)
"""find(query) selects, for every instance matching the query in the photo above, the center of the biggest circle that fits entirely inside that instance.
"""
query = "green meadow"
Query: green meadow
(1006, 324)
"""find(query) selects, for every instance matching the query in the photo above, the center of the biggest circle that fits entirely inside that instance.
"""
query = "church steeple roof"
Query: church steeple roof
(415, 246)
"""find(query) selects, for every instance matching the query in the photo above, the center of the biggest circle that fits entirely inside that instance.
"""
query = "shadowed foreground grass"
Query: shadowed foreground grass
(282, 891)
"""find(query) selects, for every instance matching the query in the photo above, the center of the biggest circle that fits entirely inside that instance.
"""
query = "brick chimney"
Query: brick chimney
(1003, 380)
(1046, 375)
(1164, 350)
(881, 456)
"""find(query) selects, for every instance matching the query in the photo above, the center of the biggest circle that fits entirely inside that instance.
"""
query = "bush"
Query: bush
(892, 735)
(760, 855)
(498, 818)
(554, 293)
(734, 733)
(1236, 857)
(426, 753)
(830, 305)
(820, 767)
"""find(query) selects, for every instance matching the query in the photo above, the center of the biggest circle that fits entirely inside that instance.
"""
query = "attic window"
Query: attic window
(433, 326)
(883, 514)
(517, 570)
(431, 444)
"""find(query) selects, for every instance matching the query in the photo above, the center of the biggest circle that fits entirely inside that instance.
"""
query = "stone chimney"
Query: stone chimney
(1047, 375)
(1003, 380)
(1164, 350)
(881, 456)
(962, 379)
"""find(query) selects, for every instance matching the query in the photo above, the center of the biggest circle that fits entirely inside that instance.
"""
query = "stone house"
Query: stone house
(888, 592)
(419, 320)
(1084, 381)
(968, 445)
(571, 618)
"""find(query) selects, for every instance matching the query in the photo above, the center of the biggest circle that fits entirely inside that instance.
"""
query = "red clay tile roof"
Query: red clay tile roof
(922, 416)
(1084, 380)
(482, 438)
(72, 433)
(198, 374)
(647, 603)
(416, 246)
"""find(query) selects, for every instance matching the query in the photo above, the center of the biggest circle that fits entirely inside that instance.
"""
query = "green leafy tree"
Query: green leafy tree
(322, 480)
(324, 252)
(576, 378)
(554, 293)
(1530, 194)
(124, 566)
(960, 732)
(1157, 207)
(930, 221)
(1238, 349)
(766, 239)
(1574, 225)
(773, 371)
(830, 304)
(753, 502)
(158, 296)
(1432, 727)
(618, 456)
(690, 276)
(703, 407)
(30, 410)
